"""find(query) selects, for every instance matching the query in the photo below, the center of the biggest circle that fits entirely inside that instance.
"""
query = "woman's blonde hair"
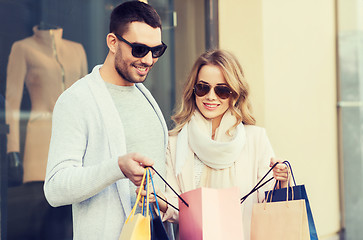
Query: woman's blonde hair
(232, 71)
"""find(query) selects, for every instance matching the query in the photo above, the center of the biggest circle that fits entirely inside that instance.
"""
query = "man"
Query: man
(107, 126)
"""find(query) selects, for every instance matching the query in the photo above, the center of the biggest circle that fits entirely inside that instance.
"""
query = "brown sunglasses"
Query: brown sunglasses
(201, 89)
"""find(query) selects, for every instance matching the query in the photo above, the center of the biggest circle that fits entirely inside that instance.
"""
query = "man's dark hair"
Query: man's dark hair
(133, 11)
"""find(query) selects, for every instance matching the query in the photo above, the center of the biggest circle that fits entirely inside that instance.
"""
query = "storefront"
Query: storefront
(72, 34)
(303, 61)
(80, 28)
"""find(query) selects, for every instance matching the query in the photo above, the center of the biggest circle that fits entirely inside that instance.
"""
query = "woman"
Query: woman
(214, 142)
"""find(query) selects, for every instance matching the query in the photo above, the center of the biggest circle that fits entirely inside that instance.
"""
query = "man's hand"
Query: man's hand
(132, 166)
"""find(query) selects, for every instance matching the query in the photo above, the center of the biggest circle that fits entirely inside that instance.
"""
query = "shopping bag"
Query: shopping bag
(211, 214)
(284, 220)
(299, 192)
(137, 227)
(158, 231)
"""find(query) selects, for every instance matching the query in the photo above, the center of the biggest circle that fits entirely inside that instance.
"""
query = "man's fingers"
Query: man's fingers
(142, 160)
(132, 166)
(135, 179)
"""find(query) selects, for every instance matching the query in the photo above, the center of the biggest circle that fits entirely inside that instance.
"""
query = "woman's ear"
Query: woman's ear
(112, 42)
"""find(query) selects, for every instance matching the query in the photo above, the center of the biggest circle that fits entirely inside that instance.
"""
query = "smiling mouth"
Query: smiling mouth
(210, 106)
(142, 70)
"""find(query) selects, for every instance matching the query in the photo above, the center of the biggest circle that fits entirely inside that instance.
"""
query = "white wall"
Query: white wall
(288, 50)
(241, 32)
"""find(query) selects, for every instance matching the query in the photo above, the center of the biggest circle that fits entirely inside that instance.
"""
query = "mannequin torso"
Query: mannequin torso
(47, 64)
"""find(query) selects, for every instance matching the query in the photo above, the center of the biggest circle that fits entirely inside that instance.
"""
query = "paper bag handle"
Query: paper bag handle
(152, 183)
(259, 184)
(292, 174)
(147, 187)
(289, 174)
(186, 204)
(132, 213)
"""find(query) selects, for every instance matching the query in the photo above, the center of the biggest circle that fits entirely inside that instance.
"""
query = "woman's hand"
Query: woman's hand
(162, 205)
(280, 171)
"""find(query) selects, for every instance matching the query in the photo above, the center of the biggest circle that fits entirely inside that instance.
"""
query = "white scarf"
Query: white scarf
(219, 154)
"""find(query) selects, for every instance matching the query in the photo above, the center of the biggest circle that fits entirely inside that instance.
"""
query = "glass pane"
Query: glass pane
(350, 45)
(161, 79)
(84, 24)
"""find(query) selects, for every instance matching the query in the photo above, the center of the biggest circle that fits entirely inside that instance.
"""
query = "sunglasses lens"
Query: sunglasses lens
(201, 89)
(158, 51)
(139, 50)
(222, 92)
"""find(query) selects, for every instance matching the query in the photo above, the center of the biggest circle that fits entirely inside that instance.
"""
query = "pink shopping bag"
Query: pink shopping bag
(212, 214)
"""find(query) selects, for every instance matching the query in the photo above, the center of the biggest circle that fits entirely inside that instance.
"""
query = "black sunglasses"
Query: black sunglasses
(140, 50)
(201, 89)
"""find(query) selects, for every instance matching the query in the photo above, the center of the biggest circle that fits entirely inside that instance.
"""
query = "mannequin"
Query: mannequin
(47, 64)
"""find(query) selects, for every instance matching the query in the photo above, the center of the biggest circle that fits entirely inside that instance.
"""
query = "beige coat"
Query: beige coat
(47, 64)
(252, 164)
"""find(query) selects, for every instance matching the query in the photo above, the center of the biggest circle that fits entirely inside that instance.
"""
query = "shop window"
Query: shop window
(47, 45)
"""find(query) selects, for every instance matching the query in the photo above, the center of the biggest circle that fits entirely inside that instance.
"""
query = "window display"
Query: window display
(45, 47)
(46, 64)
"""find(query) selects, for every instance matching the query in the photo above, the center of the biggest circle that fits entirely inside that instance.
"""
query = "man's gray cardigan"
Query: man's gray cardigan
(87, 139)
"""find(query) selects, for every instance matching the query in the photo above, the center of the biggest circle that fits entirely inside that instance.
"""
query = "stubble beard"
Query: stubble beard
(121, 69)
(125, 76)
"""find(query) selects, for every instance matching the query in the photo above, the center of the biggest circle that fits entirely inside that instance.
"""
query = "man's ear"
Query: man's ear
(112, 42)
